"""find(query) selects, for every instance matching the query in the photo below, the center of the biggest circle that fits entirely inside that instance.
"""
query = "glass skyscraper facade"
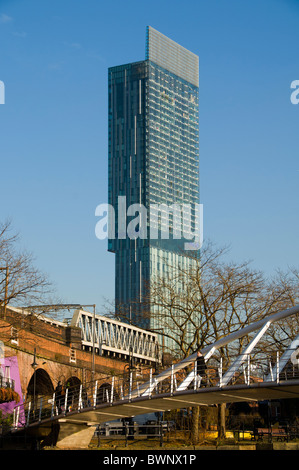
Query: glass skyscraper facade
(153, 164)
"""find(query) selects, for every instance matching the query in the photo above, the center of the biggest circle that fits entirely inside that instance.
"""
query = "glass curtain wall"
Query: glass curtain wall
(153, 160)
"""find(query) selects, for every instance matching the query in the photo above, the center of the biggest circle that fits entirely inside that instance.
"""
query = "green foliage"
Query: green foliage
(6, 420)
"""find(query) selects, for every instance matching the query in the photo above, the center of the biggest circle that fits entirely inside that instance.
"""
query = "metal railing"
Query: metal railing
(247, 368)
(6, 382)
(145, 383)
(78, 397)
(124, 430)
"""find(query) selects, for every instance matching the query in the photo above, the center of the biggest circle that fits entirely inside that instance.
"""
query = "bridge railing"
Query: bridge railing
(136, 383)
(248, 367)
(252, 369)
(74, 399)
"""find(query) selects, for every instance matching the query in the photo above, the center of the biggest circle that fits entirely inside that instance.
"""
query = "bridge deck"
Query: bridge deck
(278, 379)
(205, 396)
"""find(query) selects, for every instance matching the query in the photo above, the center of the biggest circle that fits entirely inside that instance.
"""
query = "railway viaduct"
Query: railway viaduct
(40, 351)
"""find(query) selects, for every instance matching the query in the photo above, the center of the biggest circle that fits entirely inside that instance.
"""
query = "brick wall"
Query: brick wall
(58, 350)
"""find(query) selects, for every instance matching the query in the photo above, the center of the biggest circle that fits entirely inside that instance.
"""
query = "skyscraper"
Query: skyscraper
(153, 164)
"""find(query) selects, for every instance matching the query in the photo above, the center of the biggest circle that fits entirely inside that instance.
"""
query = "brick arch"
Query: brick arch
(73, 384)
(73, 381)
(43, 384)
(104, 391)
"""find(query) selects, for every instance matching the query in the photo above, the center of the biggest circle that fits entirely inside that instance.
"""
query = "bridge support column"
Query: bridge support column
(78, 440)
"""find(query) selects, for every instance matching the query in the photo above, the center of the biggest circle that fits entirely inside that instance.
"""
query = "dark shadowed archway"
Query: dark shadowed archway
(73, 385)
(104, 393)
(40, 384)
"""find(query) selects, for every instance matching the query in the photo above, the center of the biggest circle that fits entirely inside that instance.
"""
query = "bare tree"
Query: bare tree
(282, 292)
(20, 281)
(198, 305)
(195, 304)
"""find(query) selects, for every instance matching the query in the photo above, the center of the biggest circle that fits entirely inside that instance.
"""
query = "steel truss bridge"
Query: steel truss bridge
(103, 334)
(251, 376)
(114, 337)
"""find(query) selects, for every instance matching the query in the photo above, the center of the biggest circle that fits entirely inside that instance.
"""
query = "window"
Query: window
(7, 376)
(14, 335)
(73, 355)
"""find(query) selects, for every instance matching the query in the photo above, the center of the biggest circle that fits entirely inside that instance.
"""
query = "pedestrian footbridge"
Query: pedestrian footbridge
(253, 375)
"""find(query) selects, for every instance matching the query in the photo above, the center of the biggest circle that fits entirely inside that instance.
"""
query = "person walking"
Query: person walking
(58, 397)
(201, 369)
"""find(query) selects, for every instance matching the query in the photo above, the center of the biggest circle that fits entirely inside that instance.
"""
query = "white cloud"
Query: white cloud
(74, 45)
(5, 18)
(19, 35)
(55, 65)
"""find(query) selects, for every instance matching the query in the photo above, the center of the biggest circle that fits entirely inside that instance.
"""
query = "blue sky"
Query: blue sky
(54, 57)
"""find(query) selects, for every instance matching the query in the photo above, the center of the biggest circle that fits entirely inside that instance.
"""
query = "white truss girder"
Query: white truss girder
(111, 335)
(289, 352)
(243, 356)
(261, 326)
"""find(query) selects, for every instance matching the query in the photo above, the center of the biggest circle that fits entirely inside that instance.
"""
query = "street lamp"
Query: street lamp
(6, 288)
(93, 343)
(34, 366)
